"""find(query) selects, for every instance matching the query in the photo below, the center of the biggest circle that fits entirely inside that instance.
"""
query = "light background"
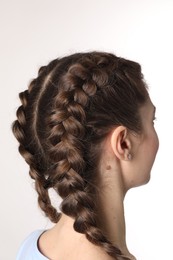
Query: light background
(36, 31)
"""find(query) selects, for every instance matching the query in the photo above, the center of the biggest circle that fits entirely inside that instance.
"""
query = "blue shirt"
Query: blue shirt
(29, 248)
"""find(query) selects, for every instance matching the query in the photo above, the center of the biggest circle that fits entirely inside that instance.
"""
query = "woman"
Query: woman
(85, 127)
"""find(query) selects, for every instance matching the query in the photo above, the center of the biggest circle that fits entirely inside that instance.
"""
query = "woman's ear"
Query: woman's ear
(121, 143)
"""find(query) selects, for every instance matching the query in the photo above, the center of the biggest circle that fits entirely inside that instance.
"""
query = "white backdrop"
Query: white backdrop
(35, 31)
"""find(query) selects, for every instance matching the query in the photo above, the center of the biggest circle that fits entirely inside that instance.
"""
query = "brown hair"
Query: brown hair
(66, 113)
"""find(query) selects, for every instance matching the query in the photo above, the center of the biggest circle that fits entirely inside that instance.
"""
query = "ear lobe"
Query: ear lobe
(120, 142)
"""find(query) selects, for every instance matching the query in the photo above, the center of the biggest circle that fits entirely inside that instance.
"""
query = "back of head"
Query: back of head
(66, 113)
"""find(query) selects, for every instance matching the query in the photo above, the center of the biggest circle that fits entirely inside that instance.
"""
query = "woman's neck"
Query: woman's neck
(111, 194)
(111, 214)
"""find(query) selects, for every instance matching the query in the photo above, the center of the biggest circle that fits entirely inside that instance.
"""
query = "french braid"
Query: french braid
(31, 149)
(62, 121)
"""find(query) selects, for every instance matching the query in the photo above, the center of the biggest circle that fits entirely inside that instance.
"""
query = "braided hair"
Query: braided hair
(66, 113)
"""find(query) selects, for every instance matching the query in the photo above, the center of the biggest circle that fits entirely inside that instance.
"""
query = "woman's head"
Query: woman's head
(66, 114)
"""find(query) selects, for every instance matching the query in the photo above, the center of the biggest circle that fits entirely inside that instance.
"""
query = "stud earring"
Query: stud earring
(129, 156)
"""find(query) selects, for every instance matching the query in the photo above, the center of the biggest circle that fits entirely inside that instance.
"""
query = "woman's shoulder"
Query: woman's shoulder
(29, 248)
(64, 245)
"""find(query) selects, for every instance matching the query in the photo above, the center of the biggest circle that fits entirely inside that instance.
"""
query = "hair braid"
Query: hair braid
(27, 148)
(67, 137)
(65, 114)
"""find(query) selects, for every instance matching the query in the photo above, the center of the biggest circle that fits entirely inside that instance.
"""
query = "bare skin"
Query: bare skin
(118, 173)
